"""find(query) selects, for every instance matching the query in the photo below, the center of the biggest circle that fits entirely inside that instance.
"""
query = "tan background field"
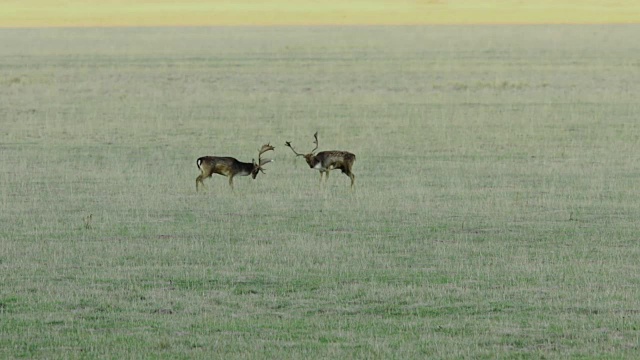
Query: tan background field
(74, 13)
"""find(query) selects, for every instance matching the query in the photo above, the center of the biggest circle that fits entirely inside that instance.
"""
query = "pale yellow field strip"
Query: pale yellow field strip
(78, 13)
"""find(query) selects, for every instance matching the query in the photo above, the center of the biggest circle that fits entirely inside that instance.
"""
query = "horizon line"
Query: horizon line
(102, 26)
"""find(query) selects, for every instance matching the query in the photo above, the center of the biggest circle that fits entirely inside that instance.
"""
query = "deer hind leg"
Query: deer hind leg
(199, 181)
(350, 175)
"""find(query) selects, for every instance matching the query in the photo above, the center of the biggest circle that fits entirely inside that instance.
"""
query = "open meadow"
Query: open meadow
(495, 212)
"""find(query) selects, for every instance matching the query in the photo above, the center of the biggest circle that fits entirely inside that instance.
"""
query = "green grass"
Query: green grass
(495, 211)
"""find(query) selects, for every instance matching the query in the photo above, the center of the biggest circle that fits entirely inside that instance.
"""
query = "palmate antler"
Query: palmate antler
(261, 161)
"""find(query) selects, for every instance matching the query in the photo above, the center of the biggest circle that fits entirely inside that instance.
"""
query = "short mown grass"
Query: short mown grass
(494, 216)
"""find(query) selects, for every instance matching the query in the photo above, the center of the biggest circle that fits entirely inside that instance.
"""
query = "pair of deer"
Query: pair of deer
(323, 161)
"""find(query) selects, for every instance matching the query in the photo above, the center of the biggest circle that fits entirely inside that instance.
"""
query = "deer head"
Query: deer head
(257, 167)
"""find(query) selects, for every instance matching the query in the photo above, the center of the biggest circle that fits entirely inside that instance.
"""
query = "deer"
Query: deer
(230, 167)
(326, 161)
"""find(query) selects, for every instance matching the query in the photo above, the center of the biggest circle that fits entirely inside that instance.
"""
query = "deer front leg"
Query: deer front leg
(231, 181)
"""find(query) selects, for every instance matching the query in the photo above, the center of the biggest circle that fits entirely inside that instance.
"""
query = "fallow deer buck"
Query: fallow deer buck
(326, 161)
(230, 167)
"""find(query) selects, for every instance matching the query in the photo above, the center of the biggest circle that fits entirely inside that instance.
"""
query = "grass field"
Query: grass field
(495, 213)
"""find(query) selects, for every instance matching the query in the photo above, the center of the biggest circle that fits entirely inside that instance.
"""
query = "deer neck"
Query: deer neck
(244, 168)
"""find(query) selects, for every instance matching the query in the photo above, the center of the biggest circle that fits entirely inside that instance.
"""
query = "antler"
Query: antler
(264, 149)
(315, 142)
(288, 143)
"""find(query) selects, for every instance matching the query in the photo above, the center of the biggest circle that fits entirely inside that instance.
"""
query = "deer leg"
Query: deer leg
(199, 181)
(351, 176)
(231, 181)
